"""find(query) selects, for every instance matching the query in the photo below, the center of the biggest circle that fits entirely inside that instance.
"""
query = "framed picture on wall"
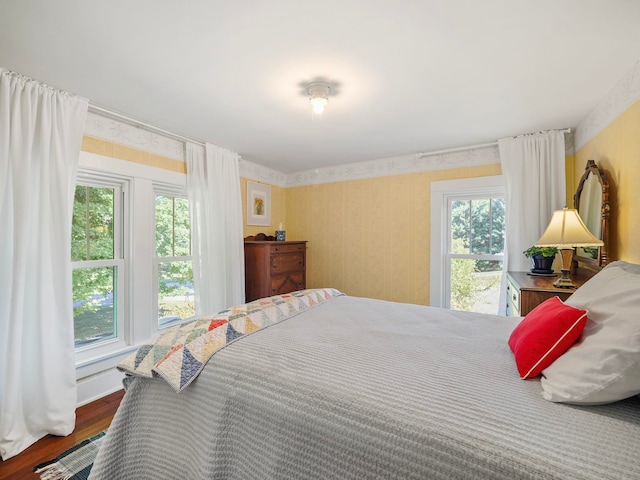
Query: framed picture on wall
(258, 204)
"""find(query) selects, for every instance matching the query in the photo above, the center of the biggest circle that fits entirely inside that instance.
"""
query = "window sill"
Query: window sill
(101, 362)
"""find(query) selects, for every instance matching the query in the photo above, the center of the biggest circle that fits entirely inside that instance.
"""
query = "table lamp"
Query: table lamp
(566, 231)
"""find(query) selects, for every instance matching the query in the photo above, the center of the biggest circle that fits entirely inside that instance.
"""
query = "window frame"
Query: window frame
(95, 370)
(443, 193)
(121, 188)
(168, 190)
(448, 247)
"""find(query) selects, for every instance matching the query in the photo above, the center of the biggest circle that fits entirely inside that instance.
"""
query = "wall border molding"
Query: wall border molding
(254, 171)
(132, 136)
(622, 96)
(420, 162)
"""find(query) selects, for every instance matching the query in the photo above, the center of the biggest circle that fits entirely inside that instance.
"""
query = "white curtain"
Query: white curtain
(213, 183)
(40, 137)
(534, 170)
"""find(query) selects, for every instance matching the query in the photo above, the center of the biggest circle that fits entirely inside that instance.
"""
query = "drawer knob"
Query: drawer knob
(275, 265)
(514, 298)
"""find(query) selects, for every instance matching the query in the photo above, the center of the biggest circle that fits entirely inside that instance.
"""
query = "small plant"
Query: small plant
(544, 251)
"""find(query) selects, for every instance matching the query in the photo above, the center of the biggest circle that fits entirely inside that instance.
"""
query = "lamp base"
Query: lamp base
(564, 281)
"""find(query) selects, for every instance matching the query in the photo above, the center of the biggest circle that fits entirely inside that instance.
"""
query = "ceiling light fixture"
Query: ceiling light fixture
(318, 96)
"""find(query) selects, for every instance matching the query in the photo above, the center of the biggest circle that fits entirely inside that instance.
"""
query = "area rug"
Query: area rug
(74, 464)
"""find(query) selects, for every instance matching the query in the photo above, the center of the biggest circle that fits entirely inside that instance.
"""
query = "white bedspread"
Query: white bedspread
(358, 389)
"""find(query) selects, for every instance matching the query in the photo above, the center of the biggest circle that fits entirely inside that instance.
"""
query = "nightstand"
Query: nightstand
(525, 292)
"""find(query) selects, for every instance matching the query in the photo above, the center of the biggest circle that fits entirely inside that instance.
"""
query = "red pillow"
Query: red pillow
(544, 334)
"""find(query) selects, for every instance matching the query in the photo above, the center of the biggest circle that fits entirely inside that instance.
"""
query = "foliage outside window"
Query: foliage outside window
(475, 253)
(97, 266)
(174, 264)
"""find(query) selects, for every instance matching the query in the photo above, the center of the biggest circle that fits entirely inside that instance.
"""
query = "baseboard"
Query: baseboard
(98, 385)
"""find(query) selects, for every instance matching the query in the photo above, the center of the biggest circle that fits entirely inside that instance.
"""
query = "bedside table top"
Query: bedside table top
(543, 284)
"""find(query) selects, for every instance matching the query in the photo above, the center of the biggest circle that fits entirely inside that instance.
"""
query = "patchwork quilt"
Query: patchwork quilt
(180, 354)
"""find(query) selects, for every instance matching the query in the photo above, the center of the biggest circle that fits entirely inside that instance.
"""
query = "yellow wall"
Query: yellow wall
(122, 152)
(370, 237)
(569, 166)
(616, 149)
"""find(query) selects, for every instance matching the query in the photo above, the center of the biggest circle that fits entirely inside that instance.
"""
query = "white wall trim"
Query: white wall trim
(622, 96)
(99, 385)
(415, 163)
(254, 171)
(440, 192)
(133, 136)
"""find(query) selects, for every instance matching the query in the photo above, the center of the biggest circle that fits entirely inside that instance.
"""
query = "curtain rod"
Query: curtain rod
(137, 123)
(480, 145)
(457, 149)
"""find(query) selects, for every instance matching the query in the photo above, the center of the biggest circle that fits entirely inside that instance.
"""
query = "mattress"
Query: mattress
(358, 388)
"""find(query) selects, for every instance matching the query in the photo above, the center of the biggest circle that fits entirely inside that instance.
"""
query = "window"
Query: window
(467, 243)
(173, 259)
(474, 253)
(97, 262)
(115, 262)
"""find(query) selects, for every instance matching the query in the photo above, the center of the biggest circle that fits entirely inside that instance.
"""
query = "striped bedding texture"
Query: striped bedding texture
(180, 354)
(358, 388)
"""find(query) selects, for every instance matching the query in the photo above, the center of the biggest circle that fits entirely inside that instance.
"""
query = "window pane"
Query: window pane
(164, 226)
(79, 224)
(497, 226)
(182, 235)
(475, 285)
(92, 235)
(172, 227)
(93, 304)
(477, 226)
(480, 226)
(175, 291)
(460, 226)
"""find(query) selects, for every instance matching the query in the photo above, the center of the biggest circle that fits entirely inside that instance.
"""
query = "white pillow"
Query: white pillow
(605, 365)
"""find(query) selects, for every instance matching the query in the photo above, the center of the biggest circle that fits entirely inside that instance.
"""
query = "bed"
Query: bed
(356, 388)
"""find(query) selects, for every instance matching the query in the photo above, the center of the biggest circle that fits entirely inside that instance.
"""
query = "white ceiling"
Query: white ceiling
(407, 76)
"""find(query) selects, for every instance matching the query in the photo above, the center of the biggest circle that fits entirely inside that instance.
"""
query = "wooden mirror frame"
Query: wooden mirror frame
(605, 210)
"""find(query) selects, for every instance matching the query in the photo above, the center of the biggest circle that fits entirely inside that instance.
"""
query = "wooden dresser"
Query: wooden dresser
(274, 268)
(525, 292)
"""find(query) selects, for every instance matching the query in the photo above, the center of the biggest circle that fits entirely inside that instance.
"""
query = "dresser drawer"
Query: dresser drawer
(298, 247)
(286, 263)
(513, 300)
(287, 283)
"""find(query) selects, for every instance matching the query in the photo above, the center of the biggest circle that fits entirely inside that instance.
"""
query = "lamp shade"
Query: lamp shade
(567, 230)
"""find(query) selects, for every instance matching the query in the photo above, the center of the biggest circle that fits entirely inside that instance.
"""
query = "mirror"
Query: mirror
(592, 202)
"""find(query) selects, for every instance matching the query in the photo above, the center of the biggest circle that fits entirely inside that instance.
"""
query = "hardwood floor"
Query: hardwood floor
(90, 420)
